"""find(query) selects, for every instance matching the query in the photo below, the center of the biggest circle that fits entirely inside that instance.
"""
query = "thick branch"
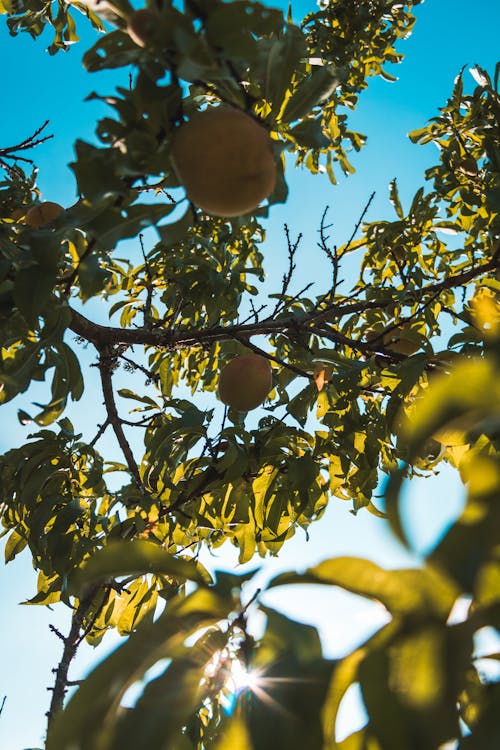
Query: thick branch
(71, 643)
(103, 336)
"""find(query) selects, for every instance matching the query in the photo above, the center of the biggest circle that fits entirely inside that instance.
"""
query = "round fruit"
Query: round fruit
(245, 382)
(225, 161)
(18, 214)
(43, 214)
(142, 26)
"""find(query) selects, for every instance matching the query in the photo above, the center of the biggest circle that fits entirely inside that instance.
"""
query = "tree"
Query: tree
(360, 389)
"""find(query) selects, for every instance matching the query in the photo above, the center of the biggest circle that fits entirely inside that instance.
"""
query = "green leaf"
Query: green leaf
(299, 689)
(136, 558)
(472, 389)
(409, 689)
(285, 635)
(32, 289)
(394, 198)
(91, 277)
(311, 91)
(15, 544)
(175, 232)
(284, 58)
(164, 707)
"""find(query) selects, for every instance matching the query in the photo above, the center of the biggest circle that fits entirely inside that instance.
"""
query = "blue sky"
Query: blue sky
(448, 35)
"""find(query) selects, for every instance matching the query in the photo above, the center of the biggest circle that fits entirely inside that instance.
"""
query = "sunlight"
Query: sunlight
(241, 678)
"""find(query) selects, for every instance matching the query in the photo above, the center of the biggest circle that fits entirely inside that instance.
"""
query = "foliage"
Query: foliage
(363, 387)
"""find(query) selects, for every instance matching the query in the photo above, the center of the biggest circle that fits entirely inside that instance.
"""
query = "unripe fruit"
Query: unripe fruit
(142, 26)
(43, 214)
(245, 382)
(225, 161)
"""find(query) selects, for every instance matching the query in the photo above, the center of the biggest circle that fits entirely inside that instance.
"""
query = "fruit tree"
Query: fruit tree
(239, 416)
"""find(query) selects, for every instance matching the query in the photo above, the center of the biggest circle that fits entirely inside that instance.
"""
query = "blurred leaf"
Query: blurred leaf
(136, 558)
(235, 735)
(87, 723)
(400, 591)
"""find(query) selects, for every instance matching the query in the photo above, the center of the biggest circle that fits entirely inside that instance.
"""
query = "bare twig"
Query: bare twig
(331, 292)
(57, 632)
(254, 314)
(332, 255)
(287, 277)
(148, 320)
(358, 223)
(152, 376)
(11, 152)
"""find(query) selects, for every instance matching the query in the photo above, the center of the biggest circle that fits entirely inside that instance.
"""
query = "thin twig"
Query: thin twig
(287, 277)
(100, 432)
(148, 320)
(10, 152)
(273, 358)
(358, 224)
(106, 361)
(332, 255)
(152, 376)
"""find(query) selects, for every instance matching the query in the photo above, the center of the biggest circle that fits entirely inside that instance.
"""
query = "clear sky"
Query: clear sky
(449, 34)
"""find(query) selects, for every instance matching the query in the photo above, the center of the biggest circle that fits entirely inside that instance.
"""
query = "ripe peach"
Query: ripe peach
(43, 214)
(224, 159)
(245, 382)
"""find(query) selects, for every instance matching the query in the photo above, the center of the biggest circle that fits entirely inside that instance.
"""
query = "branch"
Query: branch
(105, 336)
(10, 152)
(100, 432)
(332, 256)
(71, 643)
(105, 365)
(287, 277)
